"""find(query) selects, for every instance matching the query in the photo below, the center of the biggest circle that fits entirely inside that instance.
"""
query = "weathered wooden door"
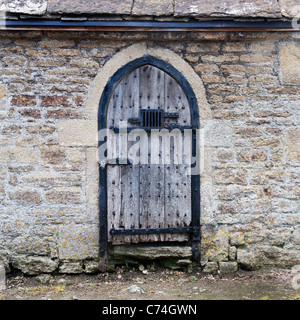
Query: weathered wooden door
(154, 197)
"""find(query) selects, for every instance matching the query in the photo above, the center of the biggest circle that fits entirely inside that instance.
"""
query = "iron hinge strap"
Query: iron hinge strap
(114, 232)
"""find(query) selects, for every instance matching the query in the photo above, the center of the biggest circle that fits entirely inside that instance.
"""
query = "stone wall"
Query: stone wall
(48, 173)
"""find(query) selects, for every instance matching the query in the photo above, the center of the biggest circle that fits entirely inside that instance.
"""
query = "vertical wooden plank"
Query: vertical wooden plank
(130, 173)
(113, 176)
(151, 175)
(151, 87)
(177, 184)
(113, 202)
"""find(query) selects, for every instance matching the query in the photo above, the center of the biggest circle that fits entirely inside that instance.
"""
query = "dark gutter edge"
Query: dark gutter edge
(58, 25)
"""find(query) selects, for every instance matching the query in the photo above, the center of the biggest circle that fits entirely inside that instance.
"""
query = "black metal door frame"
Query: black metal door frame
(195, 179)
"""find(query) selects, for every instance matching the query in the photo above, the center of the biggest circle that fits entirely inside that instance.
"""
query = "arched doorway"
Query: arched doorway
(149, 201)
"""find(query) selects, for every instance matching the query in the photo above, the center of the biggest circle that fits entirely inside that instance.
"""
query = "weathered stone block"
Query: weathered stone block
(210, 78)
(12, 129)
(26, 196)
(54, 101)
(34, 7)
(273, 141)
(2, 180)
(156, 7)
(5, 260)
(151, 253)
(98, 7)
(30, 113)
(236, 238)
(65, 52)
(78, 242)
(251, 155)
(201, 48)
(34, 265)
(232, 253)
(214, 243)
(91, 266)
(51, 179)
(64, 195)
(84, 63)
(292, 145)
(75, 155)
(40, 129)
(17, 154)
(53, 154)
(228, 267)
(233, 69)
(23, 101)
(218, 133)
(206, 68)
(20, 61)
(227, 176)
(241, 8)
(2, 91)
(211, 267)
(71, 267)
(234, 47)
(255, 257)
(290, 63)
(56, 43)
(266, 176)
(78, 133)
(29, 141)
(64, 113)
(256, 58)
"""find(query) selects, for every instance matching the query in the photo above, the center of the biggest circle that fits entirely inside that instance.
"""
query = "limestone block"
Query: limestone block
(292, 144)
(2, 180)
(211, 267)
(34, 265)
(78, 133)
(98, 7)
(34, 7)
(228, 267)
(76, 242)
(151, 253)
(17, 154)
(230, 8)
(26, 196)
(153, 7)
(290, 63)
(71, 267)
(2, 91)
(214, 243)
(258, 256)
(218, 133)
(53, 179)
(64, 195)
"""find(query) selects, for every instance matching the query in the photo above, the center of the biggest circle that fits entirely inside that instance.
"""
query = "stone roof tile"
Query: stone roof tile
(35, 7)
(90, 7)
(228, 8)
(153, 7)
(157, 8)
